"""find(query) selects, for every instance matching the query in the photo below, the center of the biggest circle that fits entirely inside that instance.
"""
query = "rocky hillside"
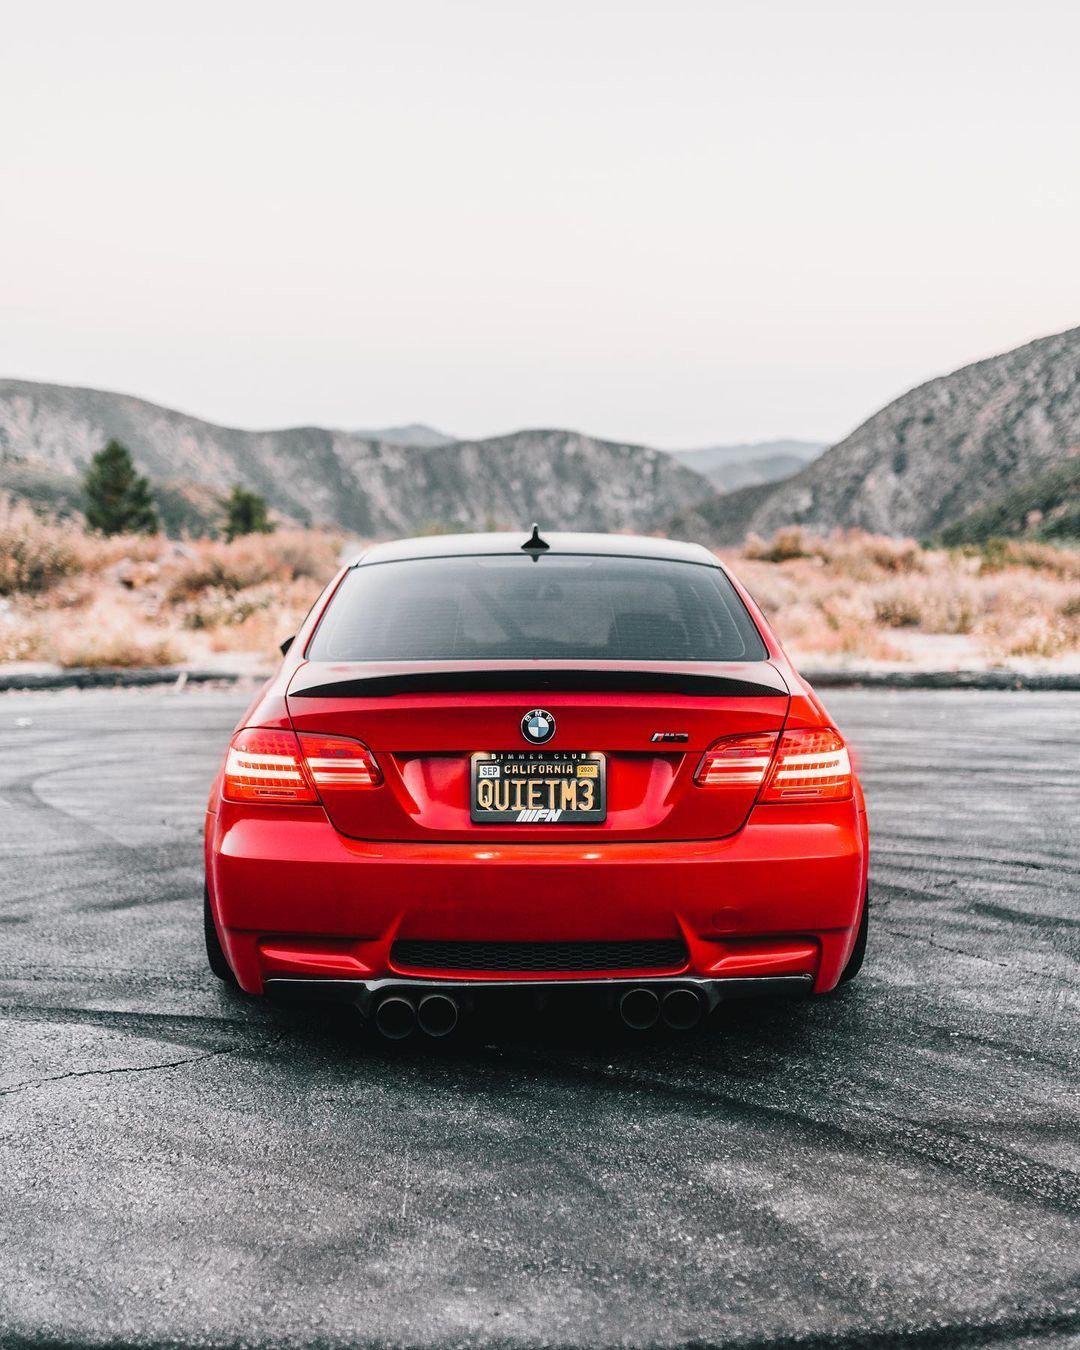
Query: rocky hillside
(317, 476)
(1044, 508)
(933, 456)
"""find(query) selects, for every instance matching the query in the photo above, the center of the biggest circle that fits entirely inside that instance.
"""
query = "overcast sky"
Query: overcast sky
(671, 222)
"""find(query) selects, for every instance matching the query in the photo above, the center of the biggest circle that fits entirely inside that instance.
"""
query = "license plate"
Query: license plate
(538, 787)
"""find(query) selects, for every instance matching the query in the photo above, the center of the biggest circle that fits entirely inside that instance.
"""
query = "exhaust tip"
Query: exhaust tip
(682, 1009)
(395, 1017)
(437, 1014)
(639, 1009)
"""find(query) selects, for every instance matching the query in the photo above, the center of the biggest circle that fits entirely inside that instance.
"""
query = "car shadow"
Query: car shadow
(753, 1037)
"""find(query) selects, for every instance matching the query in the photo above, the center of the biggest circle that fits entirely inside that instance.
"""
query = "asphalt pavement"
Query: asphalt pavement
(895, 1165)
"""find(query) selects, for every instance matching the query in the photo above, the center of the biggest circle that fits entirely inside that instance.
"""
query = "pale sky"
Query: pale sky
(671, 222)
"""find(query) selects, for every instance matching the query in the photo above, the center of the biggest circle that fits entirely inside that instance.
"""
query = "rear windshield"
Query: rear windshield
(510, 607)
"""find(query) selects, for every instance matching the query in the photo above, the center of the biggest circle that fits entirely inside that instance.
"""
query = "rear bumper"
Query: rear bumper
(364, 993)
(296, 900)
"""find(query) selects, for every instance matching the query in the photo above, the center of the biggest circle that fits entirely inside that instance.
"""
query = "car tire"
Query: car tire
(215, 953)
(858, 952)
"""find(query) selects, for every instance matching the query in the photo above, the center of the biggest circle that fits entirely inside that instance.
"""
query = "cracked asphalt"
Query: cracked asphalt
(896, 1165)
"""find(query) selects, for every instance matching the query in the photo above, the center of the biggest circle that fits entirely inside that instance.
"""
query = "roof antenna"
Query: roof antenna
(534, 544)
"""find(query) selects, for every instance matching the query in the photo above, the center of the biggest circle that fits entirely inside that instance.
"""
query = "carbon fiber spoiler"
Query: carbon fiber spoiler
(751, 679)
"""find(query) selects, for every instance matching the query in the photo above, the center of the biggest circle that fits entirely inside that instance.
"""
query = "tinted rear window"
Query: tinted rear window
(512, 608)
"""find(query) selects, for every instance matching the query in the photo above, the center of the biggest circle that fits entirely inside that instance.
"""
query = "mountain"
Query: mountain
(734, 466)
(317, 476)
(938, 453)
(1046, 507)
(747, 473)
(414, 433)
(721, 521)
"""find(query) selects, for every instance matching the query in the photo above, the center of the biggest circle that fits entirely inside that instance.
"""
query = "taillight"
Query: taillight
(270, 766)
(338, 762)
(806, 766)
(810, 766)
(264, 766)
(738, 761)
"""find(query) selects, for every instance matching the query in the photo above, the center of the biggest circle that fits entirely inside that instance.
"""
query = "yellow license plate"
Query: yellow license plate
(538, 787)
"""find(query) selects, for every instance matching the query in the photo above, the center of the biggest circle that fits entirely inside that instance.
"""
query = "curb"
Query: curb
(116, 678)
(109, 678)
(939, 679)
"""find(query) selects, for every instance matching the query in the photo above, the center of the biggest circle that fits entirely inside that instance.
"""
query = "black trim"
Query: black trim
(621, 954)
(556, 681)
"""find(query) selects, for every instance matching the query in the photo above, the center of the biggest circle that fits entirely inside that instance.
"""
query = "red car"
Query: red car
(576, 760)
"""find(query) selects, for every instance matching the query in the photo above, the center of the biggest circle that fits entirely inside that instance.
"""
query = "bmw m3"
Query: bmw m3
(576, 760)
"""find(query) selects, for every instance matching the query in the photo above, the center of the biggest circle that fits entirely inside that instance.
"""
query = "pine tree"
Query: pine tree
(246, 514)
(118, 499)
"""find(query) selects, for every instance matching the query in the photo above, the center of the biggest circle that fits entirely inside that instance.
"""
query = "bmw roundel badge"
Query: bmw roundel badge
(538, 726)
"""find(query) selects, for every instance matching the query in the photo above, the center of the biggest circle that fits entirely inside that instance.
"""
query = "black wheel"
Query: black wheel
(215, 955)
(858, 952)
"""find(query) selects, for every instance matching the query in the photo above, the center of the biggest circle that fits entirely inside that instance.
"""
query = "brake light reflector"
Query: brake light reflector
(264, 766)
(810, 766)
(339, 762)
(736, 761)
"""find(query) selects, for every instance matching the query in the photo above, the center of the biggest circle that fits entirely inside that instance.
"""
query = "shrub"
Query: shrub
(308, 554)
(782, 547)
(253, 560)
(99, 554)
(998, 554)
(1033, 635)
(123, 646)
(854, 553)
(35, 551)
(946, 602)
(859, 554)
(20, 635)
(898, 608)
(216, 608)
(226, 568)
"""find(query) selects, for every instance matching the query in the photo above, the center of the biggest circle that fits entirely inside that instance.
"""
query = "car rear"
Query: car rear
(485, 765)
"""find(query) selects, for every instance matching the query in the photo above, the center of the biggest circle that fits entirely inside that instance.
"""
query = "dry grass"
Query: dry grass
(79, 600)
(123, 646)
(251, 561)
(850, 597)
(34, 553)
(855, 595)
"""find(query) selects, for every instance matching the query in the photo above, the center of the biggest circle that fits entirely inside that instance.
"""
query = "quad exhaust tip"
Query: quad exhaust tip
(395, 1017)
(437, 1014)
(682, 1009)
(639, 1009)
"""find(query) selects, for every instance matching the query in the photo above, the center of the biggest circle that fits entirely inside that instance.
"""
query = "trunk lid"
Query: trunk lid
(424, 720)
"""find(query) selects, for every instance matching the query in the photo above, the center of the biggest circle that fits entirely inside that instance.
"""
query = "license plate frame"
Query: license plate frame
(542, 807)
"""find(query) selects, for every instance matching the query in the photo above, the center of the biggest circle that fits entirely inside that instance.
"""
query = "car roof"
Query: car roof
(468, 545)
